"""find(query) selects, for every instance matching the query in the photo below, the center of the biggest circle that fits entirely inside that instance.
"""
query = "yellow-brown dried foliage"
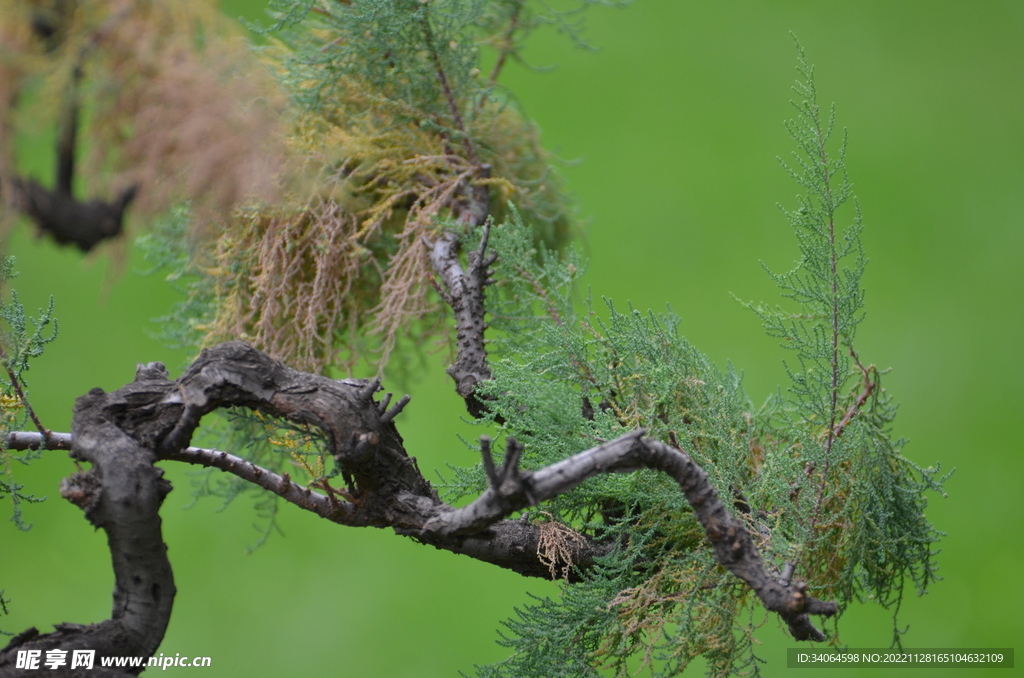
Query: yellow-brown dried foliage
(680, 590)
(340, 269)
(182, 107)
(558, 546)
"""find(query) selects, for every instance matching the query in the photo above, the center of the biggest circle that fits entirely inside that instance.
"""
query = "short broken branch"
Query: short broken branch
(465, 295)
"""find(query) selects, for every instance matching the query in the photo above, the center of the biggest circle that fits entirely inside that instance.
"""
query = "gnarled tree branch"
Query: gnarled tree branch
(512, 489)
(121, 494)
(153, 418)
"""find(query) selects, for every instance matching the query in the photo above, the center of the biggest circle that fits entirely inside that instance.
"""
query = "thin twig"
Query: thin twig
(446, 87)
(45, 432)
(281, 485)
(506, 46)
(866, 392)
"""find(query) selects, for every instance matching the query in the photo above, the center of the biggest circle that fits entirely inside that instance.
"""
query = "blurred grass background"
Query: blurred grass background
(677, 121)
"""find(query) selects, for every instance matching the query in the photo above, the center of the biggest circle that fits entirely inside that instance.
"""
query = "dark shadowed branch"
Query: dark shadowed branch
(68, 220)
(120, 494)
(57, 212)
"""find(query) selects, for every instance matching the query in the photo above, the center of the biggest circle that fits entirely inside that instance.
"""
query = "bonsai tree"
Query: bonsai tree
(360, 185)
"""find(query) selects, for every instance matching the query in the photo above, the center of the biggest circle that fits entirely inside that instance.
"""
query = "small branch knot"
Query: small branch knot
(151, 372)
(508, 481)
(84, 490)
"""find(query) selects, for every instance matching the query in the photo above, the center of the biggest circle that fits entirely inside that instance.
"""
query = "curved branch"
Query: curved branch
(512, 490)
(152, 418)
(121, 494)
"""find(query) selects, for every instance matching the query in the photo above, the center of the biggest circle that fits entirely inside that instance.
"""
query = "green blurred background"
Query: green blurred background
(677, 121)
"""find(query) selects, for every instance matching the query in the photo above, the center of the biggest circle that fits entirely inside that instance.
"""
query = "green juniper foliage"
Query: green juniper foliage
(854, 474)
(814, 474)
(20, 344)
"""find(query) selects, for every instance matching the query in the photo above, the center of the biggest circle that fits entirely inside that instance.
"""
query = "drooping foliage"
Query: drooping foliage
(393, 121)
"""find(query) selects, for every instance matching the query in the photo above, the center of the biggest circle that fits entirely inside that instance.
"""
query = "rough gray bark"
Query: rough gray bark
(153, 418)
(120, 494)
(464, 293)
